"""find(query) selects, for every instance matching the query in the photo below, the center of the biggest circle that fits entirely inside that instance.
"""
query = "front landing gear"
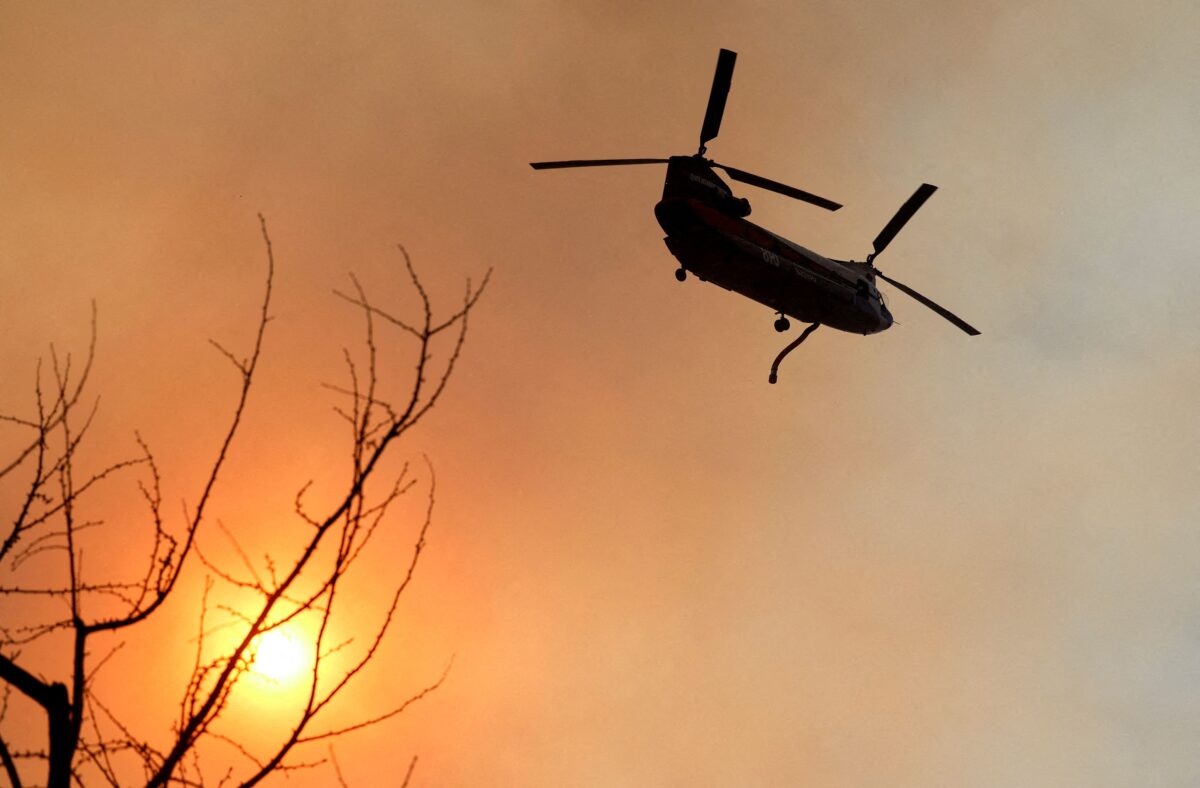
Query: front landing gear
(680, 274)
(782, 323)
(775, 367)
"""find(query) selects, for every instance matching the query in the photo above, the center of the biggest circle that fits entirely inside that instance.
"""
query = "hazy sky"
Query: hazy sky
(920, 559)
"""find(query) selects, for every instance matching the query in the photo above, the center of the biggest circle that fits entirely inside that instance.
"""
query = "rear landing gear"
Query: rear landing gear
(681, 274)
(775, 367)
(782, 324)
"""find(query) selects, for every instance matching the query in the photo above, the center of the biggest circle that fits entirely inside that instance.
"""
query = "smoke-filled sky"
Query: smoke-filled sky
(920, 559)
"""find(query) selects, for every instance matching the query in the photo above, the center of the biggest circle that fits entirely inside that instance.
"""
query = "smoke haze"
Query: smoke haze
(920, 559)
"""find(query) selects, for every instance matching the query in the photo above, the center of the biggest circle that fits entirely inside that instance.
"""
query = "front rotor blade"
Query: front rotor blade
(722, 79)
(781, 188)
(941, 310)
(923, 193)
(555, 165)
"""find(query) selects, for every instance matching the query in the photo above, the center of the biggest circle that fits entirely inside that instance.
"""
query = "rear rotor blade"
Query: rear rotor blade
(781, 188)
(722, 79)
(914, 203)
(941, 310)
(555, 165)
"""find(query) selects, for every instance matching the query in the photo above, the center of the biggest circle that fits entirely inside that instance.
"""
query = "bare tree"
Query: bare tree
(86, 739)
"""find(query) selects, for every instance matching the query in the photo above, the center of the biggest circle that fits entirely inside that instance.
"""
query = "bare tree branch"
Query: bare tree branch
(86, 743)
(10, 766)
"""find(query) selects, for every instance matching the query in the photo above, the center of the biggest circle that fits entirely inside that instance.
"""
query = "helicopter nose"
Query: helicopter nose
(885, 318)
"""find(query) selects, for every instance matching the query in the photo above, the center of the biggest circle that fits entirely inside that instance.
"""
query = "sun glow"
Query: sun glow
(280, 656)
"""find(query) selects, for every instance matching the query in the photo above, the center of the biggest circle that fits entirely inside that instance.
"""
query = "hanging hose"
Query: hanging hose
(795, 343)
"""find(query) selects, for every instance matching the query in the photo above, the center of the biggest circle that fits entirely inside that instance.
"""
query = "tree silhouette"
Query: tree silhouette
(75, 612)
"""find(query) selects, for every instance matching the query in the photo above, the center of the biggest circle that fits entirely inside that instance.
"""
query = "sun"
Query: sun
(280, 656)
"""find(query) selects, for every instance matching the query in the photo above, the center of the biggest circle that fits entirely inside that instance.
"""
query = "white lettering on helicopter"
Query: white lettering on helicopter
(770, 257)
(705, 182)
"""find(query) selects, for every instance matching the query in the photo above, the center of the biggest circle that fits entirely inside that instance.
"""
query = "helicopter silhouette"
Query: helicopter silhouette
(709, 235)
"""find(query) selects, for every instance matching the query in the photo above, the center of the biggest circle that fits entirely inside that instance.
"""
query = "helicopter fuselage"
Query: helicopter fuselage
(708, 234)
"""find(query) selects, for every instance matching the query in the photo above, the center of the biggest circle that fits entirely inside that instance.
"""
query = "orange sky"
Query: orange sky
(921, 559)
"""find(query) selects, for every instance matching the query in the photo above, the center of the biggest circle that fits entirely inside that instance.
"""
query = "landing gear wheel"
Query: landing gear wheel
(782, 324)
(681, 274)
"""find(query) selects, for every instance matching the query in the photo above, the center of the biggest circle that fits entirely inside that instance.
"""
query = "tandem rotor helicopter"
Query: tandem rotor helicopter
(708, 233)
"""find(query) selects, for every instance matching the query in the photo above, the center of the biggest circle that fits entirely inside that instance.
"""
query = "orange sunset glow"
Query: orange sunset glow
(919, 559)
(281, 657)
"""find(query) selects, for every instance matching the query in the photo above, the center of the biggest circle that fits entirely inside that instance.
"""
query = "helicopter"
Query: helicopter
(708, 233)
